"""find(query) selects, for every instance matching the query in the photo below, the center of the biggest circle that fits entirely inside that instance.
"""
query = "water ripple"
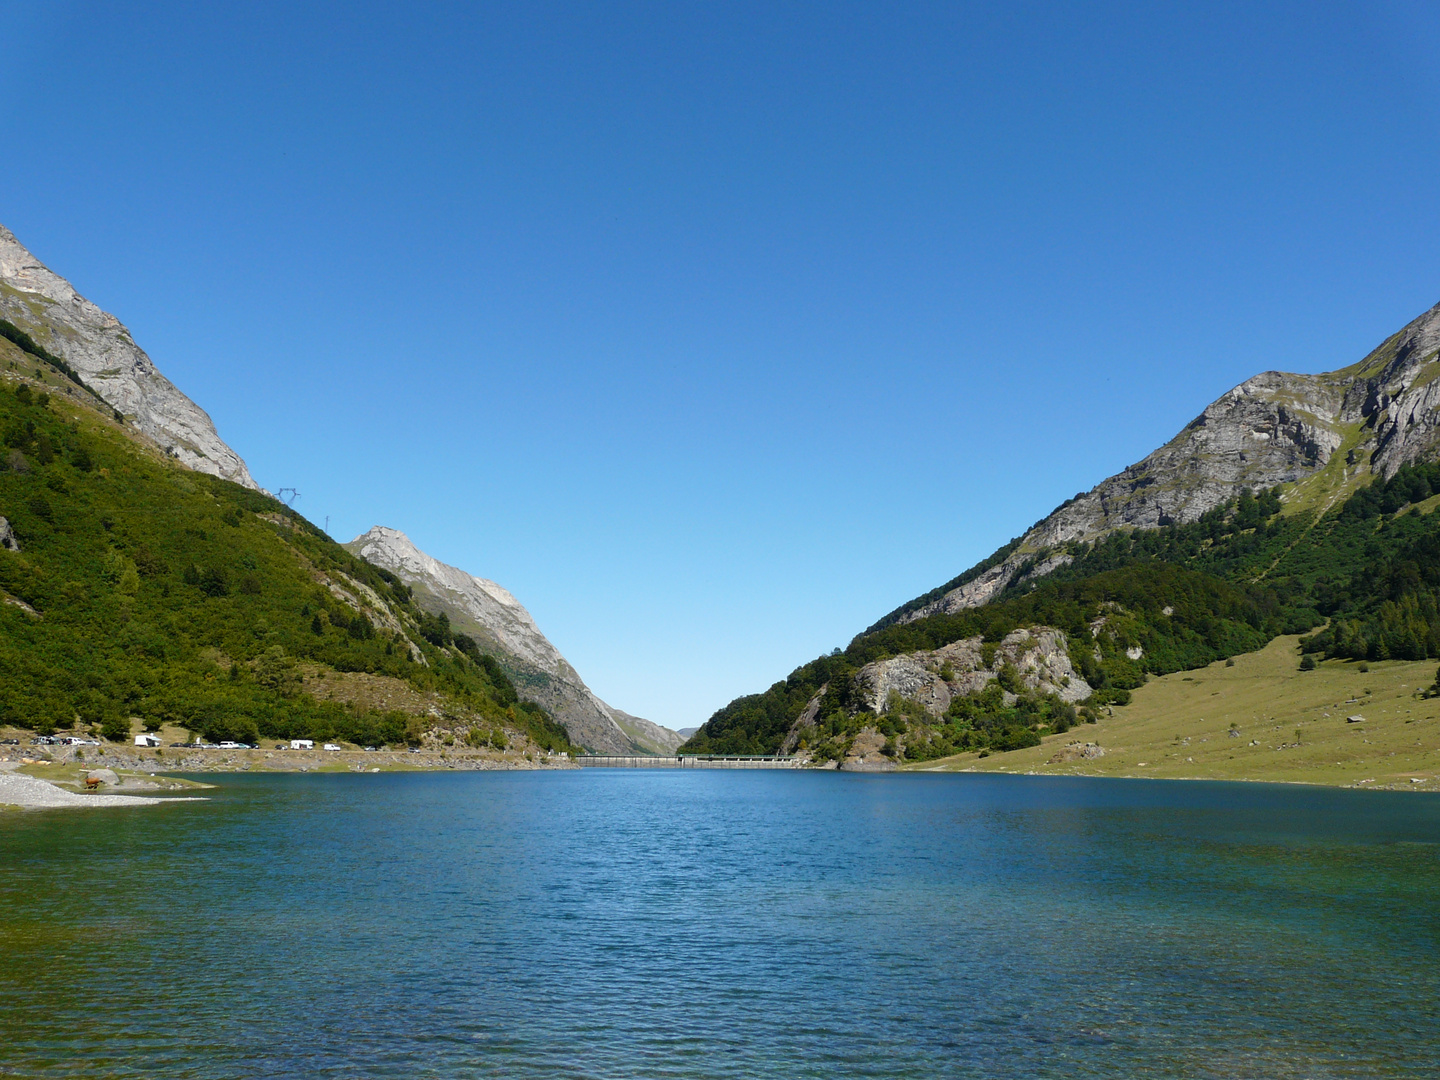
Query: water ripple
(693, 925)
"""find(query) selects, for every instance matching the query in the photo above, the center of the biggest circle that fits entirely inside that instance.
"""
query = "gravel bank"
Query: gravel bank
(36, 794)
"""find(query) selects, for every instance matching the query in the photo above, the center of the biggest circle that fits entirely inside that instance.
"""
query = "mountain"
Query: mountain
(98, 348)
(1325, 435)
(131, 586)
(501, 625)
(142, 574)
(1290, 501)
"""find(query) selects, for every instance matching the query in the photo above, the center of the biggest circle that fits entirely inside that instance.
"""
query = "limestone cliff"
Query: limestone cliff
(1322, 435)
(100, 349)
(501, 625)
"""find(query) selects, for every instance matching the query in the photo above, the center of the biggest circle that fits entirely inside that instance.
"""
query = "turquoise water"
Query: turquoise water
(724, 924)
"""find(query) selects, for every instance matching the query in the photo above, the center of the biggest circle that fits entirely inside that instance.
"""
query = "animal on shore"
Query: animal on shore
(92, 783)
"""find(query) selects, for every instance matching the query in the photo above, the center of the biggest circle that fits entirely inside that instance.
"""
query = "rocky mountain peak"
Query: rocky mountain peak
(1321, 435)
(99, 347)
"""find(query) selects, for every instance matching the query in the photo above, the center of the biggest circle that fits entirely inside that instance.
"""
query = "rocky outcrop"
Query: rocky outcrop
(1277, 428)
(501, 626)
(936, 677)
(1077, 751)
(803, 722)
(867, 753)
(100, 349)
(7, 536)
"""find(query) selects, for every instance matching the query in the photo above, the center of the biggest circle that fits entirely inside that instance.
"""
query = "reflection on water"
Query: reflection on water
(704, 924)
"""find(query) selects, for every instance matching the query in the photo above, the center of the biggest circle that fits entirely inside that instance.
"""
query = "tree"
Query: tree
(276, 672)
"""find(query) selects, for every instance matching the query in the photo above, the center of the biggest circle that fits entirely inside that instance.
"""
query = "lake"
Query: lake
(628, 924)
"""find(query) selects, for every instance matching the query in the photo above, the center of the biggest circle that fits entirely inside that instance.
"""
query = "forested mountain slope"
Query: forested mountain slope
(1173, 564)
(133, 586)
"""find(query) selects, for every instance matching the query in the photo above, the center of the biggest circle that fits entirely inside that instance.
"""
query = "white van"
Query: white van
(331, 746)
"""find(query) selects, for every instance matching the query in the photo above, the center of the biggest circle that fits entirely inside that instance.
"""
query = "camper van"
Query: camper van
(147, 740)
(302, 744)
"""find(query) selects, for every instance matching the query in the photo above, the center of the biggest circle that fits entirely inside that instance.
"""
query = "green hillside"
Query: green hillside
(1185, 595)
(144, 589)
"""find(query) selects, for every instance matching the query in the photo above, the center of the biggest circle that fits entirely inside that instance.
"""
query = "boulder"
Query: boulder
(7, 536)
(105, 776)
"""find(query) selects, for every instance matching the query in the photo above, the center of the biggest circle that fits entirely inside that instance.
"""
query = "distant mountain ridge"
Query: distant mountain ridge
(1324, 435)
(501, 625)
(99, 348)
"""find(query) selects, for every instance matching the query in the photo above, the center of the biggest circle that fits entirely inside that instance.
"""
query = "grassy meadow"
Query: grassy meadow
(1290, 725)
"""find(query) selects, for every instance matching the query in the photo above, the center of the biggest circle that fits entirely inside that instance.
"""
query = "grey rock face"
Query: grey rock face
(98, 346)
(501, 625)
(1276, 428)
(1038, 653)
(7, 536)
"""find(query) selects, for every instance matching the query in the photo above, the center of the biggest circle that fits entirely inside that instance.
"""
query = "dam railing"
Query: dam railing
(687, 761)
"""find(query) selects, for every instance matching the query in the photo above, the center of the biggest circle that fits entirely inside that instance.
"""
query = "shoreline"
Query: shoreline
(1423, 788)
(25, 792)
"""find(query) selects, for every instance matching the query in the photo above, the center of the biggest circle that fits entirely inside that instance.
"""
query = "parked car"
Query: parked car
(279, 746)
(181, 745)
(226, 744)
(9, 742)
(368, 748)
(44, 740)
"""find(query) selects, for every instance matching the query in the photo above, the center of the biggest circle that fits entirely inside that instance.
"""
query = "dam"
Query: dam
(687, 761)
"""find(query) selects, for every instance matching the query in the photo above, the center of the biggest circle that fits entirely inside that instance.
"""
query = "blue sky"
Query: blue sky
(716, 331)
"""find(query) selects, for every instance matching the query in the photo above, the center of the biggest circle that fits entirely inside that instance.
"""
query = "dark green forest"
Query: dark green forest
(1231, 581)
(174, 596)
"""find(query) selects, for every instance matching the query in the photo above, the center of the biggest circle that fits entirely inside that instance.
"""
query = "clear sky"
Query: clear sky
(716, 331)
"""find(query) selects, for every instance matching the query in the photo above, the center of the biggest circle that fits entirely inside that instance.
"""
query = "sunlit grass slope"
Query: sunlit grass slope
(1290, 725)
